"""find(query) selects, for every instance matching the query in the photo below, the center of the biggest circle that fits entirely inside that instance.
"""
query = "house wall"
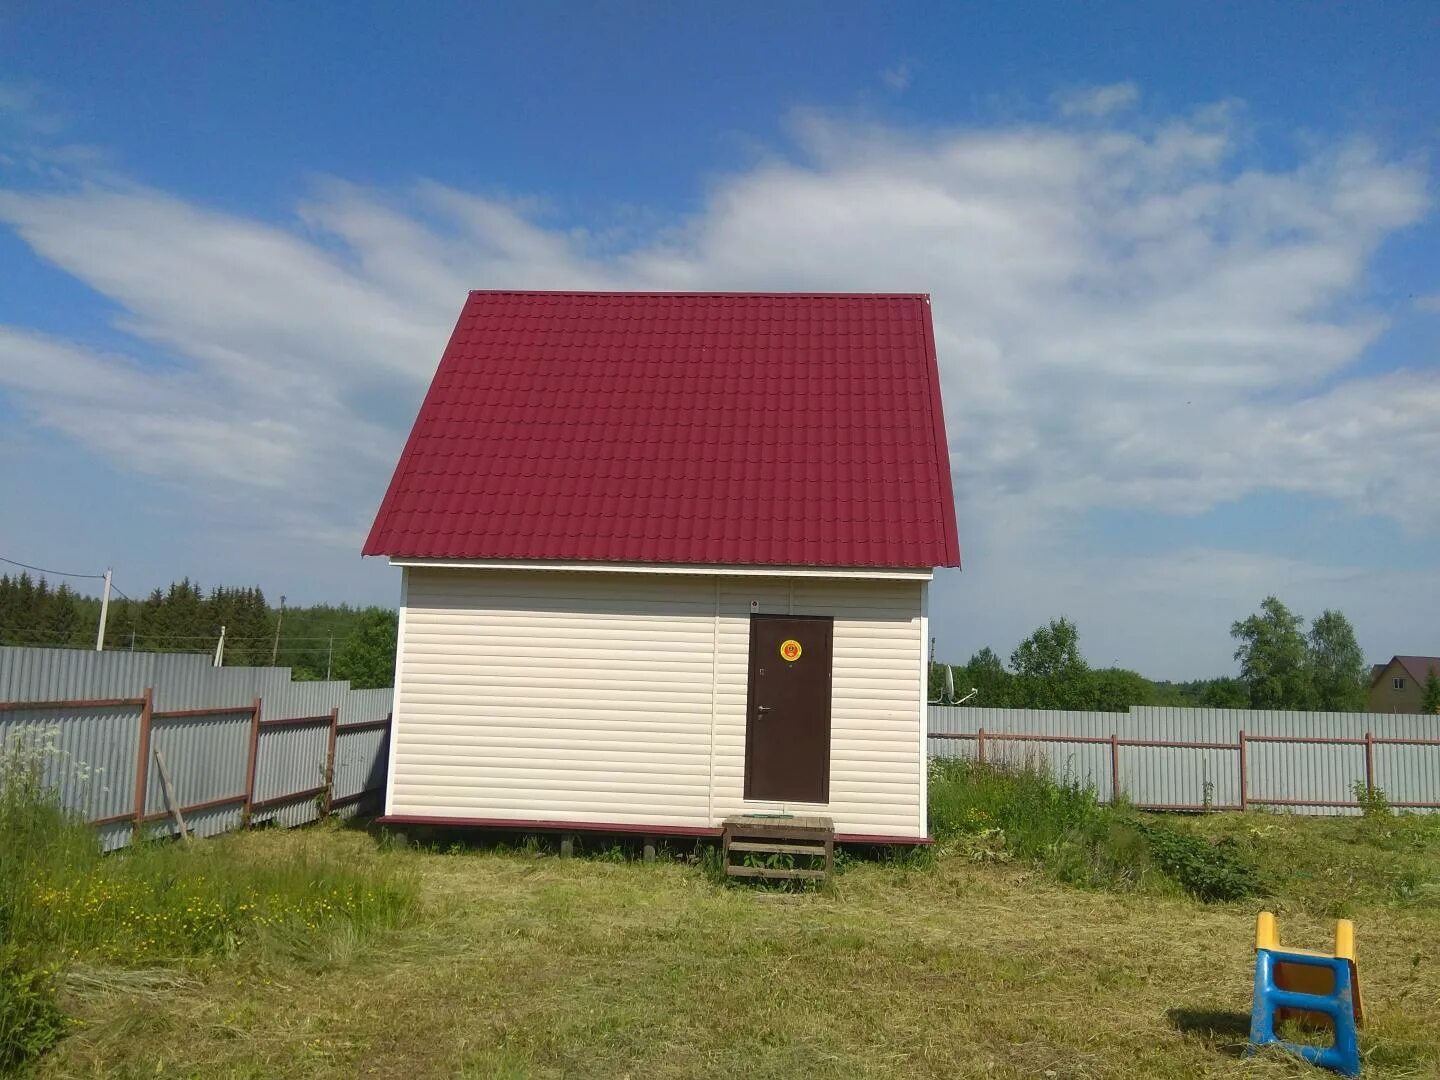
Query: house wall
(621, 698)
(1383, 697)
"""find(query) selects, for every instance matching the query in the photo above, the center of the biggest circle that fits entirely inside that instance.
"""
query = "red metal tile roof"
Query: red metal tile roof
(756, 429)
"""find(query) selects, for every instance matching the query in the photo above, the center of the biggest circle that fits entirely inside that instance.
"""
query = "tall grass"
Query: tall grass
(158, 903)
(1024, 812)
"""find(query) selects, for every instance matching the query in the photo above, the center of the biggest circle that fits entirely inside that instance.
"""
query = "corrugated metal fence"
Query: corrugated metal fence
(1222, 759)
(240, 744)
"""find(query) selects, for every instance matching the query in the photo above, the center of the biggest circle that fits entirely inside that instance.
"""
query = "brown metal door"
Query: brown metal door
(787, 728)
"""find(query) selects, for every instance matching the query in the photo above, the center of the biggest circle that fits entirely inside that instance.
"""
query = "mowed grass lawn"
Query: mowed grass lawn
(516, 964)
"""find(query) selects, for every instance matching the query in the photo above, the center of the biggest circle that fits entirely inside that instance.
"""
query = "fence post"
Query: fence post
(1114, 768)
(981, 736)
(142, 762)
(1244, 790)
(250, 764)
(1370, 763)
(330, 761)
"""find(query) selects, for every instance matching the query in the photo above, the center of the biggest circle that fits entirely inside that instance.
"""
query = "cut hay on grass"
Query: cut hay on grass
(521, 964)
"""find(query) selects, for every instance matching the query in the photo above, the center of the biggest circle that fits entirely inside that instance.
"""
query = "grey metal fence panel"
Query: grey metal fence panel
(93, 750)
(1407, 774)
(207, 757)
(364, 706)
(86, 754)
(289, 764)
(210, 822)
(180, 680)
(1286, 767)
(361, 758)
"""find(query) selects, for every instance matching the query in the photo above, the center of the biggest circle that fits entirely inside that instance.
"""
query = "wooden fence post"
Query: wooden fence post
(1244, 775)
(330, 761)
(142, 762)
(1114, 768)
(981, 736)
(250, 764)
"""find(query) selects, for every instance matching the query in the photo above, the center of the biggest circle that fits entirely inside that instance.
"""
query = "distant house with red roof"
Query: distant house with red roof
(1399, 686)
(665, 558)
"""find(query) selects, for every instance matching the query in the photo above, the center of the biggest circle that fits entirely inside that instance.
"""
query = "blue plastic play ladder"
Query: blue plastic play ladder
(1312, 987)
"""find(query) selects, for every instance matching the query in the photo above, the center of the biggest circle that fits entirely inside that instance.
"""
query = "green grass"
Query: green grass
(65, 906)
(979, 961)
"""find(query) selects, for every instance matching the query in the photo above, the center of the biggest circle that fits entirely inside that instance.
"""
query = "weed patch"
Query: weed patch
(994, 813)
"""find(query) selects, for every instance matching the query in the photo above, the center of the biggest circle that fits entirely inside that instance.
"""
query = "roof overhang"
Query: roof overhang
(850, 572)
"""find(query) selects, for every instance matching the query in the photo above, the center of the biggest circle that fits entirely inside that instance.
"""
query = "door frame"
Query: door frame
(750, 715)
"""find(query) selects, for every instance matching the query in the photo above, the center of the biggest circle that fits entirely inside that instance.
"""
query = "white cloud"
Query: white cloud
(897, 78)
(22, 106)
(1097, 101)
(1128, 315)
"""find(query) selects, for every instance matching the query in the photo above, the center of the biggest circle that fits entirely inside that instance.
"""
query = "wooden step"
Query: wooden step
(778, 849)
(804, 837)
(775, 872)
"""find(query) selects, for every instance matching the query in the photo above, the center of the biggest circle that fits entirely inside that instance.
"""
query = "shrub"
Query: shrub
(1032, 809)
(988, 812)
(1205, 870)
(1374, 803)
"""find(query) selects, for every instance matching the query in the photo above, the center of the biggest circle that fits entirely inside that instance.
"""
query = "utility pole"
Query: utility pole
(329, 656)
(104, 613)
(220, 648)
(275, 652)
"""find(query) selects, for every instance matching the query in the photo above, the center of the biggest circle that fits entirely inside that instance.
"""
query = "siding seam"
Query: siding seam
(714, 700)
(395, 703)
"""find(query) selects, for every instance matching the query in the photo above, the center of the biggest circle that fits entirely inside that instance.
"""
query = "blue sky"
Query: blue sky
(1184, 258)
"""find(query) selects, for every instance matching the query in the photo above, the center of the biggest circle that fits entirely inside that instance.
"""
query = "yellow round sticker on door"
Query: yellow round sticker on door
(790, 650)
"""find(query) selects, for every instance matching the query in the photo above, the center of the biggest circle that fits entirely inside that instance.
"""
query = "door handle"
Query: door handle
(762, 708)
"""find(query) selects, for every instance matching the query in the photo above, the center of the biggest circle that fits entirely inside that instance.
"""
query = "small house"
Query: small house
(1399, 686)
(664, 559)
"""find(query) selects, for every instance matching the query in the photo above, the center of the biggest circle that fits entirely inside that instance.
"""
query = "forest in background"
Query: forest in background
(315, 642)
(1282, 666)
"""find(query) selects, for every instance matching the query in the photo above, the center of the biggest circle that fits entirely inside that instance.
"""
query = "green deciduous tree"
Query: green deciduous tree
(1274, 660)
(367, 658)
(1337, 666)
(1430, 703)
(1049, 671)
(986, 673)
(1116, 690)
(1224, 693)
(1051, 651)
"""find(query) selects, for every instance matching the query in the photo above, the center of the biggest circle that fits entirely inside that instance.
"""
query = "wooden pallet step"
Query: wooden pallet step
(778, 829)
(770, 847)
(773, 872)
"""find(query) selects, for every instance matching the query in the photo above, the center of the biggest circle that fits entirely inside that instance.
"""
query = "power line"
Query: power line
(57, 573)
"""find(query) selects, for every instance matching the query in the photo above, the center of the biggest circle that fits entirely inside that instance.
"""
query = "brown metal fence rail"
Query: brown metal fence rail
(987, 743)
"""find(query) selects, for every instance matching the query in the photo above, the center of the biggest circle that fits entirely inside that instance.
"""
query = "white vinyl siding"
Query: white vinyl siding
(620, 698)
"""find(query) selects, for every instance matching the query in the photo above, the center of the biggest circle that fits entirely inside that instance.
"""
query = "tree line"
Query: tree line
(1282, 666)
(340, 641)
